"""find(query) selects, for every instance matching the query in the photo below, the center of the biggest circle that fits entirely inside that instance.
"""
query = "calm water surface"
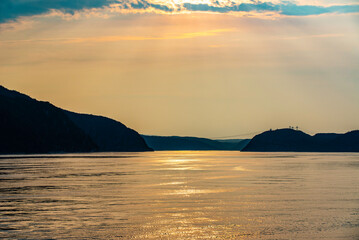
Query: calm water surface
(180, 195)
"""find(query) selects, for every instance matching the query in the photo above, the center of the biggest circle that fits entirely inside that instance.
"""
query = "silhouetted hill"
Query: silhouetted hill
(289, 140)
(348, 142)
(108, 134)
(175, 143)
(31, 126)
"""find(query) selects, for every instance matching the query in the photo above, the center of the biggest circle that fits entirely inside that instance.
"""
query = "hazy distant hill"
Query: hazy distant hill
(289, 140)
(31, 126)
(168, 143)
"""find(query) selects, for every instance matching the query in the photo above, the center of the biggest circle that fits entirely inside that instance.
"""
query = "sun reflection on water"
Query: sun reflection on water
(215, 195)
(188, 192)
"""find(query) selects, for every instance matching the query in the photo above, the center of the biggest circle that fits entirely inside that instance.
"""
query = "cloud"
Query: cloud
(144, 38)
(284, 8)
(102, 39)
(13, 9)
(146, 5)
(291, 9)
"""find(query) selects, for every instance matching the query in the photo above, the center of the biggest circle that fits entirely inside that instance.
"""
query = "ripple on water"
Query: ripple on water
(180, 195)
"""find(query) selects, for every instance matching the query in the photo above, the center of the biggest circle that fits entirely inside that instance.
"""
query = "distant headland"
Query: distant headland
(290, 140)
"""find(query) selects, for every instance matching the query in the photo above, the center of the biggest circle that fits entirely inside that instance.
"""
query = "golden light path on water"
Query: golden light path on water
(180, 195)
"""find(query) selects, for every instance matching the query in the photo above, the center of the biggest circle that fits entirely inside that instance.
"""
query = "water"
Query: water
(180, 195)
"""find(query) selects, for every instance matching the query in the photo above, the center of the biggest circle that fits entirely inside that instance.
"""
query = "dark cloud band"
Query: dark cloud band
(12, 9)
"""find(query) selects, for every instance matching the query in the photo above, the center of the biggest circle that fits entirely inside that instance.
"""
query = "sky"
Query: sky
(207, 68)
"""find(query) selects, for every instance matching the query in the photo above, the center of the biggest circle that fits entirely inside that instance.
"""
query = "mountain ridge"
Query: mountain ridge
(31, 126)
(178, 143)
